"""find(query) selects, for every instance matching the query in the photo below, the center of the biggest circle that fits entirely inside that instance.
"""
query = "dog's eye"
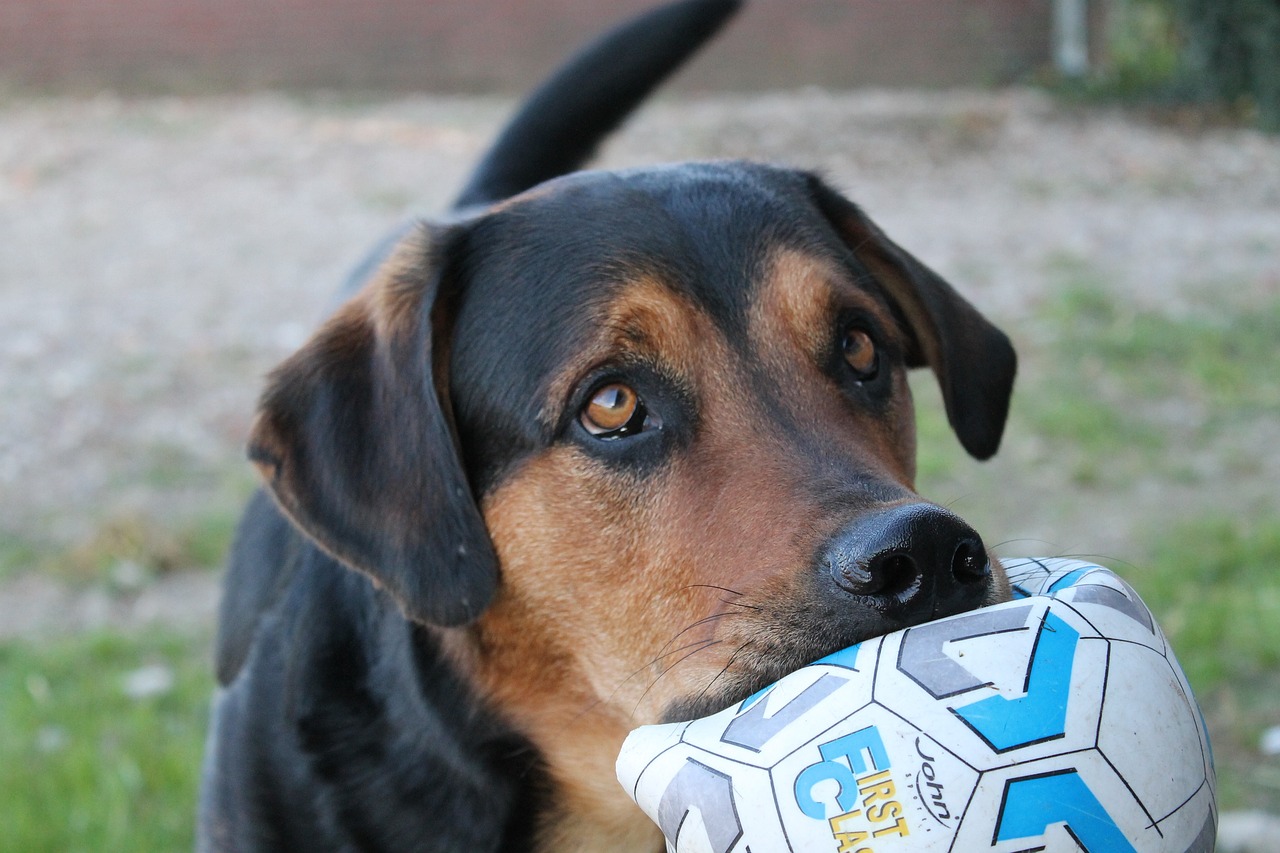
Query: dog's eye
(615, 411)
(860, 354)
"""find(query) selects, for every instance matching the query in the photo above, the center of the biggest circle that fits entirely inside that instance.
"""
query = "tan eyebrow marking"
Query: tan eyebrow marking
(645, 320)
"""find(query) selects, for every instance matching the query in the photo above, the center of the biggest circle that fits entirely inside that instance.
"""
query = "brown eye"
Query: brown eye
(611, 410)
(860, 353)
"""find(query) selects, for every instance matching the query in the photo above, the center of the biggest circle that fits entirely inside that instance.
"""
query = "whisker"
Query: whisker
(665, 652)
(1063, 554)
(654, 683)
(751, 607)
(723, 589)
(999, 545)
(1109, 560)
(704, 620)
(724, 669)
(622, 683)
(712, 586)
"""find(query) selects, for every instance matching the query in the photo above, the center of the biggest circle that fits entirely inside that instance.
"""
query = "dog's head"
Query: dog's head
(647, 436)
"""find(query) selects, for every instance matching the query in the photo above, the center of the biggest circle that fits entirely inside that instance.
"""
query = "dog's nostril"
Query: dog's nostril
(882, 574)
(969, 564)
(896, 569)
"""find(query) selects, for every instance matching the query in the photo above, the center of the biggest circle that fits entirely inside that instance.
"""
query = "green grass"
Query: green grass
(1216, 582)
(1119, 392)
(1111, 394)
(154, 544)
(85, 767)
(1215, 585)
(1221, 356)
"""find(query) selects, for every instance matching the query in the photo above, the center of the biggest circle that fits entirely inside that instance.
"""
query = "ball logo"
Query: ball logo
(1057, 721)
(931, 792)
(865, 795)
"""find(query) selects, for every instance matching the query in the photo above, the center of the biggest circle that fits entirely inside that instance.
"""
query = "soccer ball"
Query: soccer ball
(1059, 721)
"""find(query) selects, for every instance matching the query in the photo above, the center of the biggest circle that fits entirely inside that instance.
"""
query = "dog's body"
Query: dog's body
(604, 450)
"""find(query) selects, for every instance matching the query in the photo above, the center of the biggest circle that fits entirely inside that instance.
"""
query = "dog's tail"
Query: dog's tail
(562, 122)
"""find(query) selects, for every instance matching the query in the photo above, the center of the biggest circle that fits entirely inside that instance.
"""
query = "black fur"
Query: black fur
(347, 731)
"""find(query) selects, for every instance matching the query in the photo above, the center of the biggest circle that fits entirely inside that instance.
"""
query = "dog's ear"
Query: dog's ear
(973, 360)
(355, 439)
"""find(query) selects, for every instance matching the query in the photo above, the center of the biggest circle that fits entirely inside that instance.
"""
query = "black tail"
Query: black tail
(563, 121)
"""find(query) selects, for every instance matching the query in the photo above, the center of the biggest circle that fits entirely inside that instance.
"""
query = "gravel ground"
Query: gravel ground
(159, 255)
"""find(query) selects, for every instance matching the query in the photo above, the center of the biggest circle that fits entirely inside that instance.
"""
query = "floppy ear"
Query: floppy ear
(355, 439)
(973, 360)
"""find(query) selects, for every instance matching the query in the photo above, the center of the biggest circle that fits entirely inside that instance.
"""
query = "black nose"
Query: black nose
(916, 561)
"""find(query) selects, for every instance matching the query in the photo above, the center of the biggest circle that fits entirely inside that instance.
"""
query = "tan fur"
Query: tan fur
(793, 323)
(646, 319)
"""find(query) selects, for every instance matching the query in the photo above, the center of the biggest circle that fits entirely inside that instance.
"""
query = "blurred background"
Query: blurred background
(183, 183)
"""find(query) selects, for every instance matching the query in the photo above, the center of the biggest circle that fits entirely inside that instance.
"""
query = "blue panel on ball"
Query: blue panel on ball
(1069, 579)
(1041, 714)
(1034, 804)
(1018, 592)
(846, 658)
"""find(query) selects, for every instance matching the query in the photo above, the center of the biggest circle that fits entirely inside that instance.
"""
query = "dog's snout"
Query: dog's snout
(917, 560)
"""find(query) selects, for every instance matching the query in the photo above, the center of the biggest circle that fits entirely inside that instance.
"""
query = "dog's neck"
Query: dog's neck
(585, 809)
(589, 811)
(592, 827)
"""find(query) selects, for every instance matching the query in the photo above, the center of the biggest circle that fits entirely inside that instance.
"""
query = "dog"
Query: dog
(595, 450)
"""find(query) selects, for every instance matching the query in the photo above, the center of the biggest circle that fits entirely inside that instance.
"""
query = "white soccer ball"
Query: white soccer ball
(1059, 721)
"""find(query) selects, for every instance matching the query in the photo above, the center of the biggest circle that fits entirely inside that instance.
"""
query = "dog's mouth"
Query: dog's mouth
(735, 690)
(757, 664)
(794, 634)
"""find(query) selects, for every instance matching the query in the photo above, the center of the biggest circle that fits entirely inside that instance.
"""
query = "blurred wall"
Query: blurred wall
(502, 45)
